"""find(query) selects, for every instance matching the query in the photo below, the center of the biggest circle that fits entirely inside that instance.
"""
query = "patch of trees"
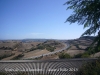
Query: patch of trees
(33, 48)
(92, 51)
(50, 48)
(87, 53)
(6, 48)
(64, 55)
(46, 46)
(82, 55)
(86, 13)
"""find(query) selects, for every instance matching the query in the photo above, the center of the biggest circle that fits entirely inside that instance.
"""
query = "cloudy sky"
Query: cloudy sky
(21, 19)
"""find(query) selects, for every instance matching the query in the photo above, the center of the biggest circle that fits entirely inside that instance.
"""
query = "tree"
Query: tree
(86, 13)
(91, 68)
(64, 55)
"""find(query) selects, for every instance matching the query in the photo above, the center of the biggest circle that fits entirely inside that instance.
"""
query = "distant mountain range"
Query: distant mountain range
(42, 40)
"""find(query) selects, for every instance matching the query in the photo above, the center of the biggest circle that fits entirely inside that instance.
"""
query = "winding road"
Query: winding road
(50, 53)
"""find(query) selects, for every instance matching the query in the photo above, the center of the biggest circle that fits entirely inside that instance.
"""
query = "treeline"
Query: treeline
(48, 46)
(6, 48)
(66, 55)
(44, 46)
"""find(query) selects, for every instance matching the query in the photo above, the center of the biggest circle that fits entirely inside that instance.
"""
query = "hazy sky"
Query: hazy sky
(20, 19)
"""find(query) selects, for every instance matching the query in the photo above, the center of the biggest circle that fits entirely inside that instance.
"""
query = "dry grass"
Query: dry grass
(35, 53)
(16, 54)
(96, 54)
(74, 52)
(5, 52)
(50, 57)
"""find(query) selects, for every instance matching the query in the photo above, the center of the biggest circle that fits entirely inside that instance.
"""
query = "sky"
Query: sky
(31, 19)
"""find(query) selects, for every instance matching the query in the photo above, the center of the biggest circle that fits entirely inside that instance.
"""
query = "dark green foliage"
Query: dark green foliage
(86, 13)
(95, 45)
(82, 55)
(40, 47)
(64, 55)
(2, 73)
(78, 56)
(49, 45)
(32, 49)
(91, 68)
(45, 46)
(85, 55)
(50, 48)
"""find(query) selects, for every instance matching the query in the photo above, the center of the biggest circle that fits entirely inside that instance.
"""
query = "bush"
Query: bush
(32, 49)
(78, 55)
(90, 68)
(51, 49)
(64, 55)
(40, 47)
(82, 55)
(85, 55)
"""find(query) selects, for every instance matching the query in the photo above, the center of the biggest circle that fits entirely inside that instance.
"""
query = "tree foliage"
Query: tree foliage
(64, 55)
(91, 68)
(86, 13)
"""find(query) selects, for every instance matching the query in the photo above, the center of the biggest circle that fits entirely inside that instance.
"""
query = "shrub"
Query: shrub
(50, 49)
(82, 55)
(77, 56)
(64, 55)
(85, 55)
(40, 47)
(90, 68)
(32, 49)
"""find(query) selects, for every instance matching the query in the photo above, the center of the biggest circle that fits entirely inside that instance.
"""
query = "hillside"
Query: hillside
(28, 49)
